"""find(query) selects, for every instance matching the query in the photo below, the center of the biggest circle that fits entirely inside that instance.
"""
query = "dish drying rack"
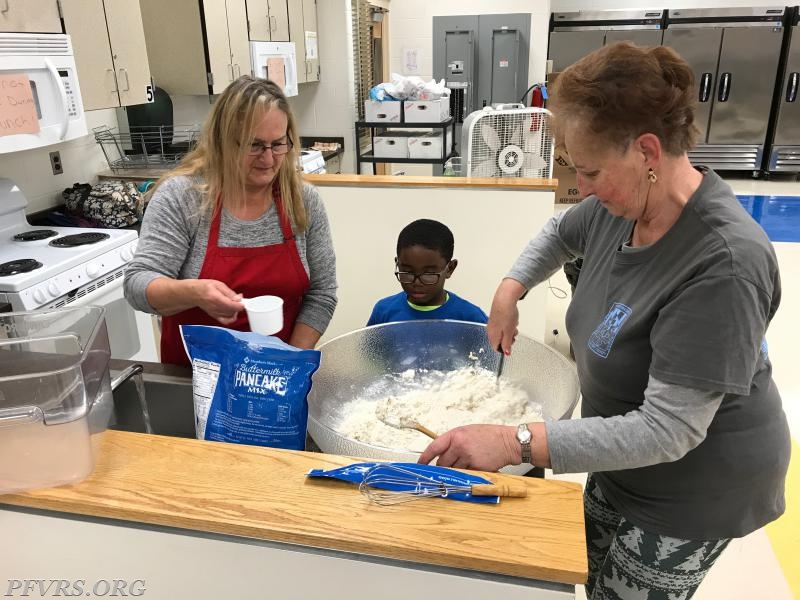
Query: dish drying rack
(154, 146)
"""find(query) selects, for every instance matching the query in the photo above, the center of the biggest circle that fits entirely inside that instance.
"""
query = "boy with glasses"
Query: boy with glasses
(424, 261)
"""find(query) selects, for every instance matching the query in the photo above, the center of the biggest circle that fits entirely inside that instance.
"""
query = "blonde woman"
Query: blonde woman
(234, 220)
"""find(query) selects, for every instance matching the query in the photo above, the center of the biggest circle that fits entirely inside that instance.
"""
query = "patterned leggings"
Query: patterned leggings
(627, 563)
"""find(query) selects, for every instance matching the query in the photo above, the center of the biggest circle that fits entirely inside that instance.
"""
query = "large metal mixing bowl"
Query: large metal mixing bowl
(355, 361)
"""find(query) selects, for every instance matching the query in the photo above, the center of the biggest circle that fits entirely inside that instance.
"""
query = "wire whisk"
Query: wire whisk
(387, 484)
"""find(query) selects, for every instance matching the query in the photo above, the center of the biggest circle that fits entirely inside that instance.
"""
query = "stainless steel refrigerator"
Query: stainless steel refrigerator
(575, 34)
(735, 54)
(784, 153)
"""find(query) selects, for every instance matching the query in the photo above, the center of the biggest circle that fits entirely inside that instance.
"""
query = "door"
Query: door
(30, 16)
(505, 61)
(748, 66)
(128, 51)
(279, 20)
(237, 38)
(787, 128)
(640, 37)
(85, 22)
(258, 22)
(567, 47)
(297, 35)
(700, 48)
(311, 40)
(217, 45)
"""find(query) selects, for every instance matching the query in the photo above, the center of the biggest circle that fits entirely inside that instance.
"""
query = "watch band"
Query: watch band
(525, 438)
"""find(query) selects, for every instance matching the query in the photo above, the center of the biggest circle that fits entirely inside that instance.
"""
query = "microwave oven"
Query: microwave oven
(46, 62)
(275, 61)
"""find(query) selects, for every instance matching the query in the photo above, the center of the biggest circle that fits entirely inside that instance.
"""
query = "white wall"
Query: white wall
(327, 107)
(412, 27)
(82, 159)
(365, 221)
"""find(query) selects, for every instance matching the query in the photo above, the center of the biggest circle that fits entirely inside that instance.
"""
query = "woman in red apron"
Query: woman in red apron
(246, 161)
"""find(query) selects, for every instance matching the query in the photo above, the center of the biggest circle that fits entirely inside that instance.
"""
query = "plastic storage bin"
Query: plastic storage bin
(55, 394)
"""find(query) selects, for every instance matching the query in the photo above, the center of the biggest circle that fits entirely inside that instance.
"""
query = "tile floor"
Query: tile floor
(766, 564)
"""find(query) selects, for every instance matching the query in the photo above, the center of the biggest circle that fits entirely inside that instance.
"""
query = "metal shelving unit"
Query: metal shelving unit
(369, 158)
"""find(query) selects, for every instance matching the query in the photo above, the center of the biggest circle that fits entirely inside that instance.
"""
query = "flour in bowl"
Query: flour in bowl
(438, 400)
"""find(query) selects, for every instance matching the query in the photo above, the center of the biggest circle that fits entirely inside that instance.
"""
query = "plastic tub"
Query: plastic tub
(55, 394)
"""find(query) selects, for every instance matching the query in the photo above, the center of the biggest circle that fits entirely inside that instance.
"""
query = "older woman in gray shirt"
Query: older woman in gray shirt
(682, 429)
(234, 221)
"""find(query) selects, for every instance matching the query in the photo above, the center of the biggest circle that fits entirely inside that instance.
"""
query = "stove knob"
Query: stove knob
(126, 254)
(53, 288)
(92, 270)
(39, 296)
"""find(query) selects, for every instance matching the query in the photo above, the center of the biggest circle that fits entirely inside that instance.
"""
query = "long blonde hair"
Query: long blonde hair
(218, 157)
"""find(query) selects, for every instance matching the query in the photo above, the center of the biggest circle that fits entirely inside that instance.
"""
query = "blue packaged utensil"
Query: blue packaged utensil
(407, 481)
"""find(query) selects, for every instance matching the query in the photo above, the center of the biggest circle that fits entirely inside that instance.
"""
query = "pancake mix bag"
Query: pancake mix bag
(249, 388)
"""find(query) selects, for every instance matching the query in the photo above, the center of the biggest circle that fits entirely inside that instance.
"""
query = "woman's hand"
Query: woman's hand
(217, 299)
(480, 447)
(504, 315)
(171, 296)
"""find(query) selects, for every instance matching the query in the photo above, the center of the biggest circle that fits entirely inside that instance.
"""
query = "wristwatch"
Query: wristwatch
(525, 437)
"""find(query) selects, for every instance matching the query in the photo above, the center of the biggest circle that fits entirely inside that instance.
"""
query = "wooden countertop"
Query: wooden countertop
(344, 179)
(263, 493)
(514, 183)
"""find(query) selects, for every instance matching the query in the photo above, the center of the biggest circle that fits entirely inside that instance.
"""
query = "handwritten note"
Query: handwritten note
(17, 107)
(276, 71)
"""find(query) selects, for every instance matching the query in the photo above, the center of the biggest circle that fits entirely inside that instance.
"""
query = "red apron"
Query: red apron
(275, 270)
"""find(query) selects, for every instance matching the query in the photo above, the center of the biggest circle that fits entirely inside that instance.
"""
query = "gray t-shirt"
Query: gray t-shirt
(691, 310)
(174, 236)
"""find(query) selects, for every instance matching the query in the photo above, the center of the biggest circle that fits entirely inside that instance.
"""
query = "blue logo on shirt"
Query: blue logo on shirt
(602, 339)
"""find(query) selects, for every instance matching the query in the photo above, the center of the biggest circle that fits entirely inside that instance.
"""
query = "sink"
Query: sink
(169, 404)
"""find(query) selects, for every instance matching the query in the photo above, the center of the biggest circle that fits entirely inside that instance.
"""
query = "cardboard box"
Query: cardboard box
(567, 191)
(383, 112)
(391, 144)
(427, 111)
(429, 145)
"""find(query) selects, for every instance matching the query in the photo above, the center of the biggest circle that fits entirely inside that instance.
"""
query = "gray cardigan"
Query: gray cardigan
(174, 234)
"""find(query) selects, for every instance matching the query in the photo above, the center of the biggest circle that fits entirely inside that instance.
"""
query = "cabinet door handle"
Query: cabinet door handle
(238, 70)
(705, 87)
(230, 72)
(724, 87)
(5, 7)
(791, 89)
(124, 71)
(113, 77)
(273, 24)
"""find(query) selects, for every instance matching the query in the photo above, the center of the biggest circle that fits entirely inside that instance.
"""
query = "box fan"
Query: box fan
(508, 142)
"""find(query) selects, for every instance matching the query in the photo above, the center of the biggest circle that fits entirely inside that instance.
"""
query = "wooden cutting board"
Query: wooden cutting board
(263, 493)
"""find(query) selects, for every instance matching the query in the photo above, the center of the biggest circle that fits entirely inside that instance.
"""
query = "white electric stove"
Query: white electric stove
(51, 267)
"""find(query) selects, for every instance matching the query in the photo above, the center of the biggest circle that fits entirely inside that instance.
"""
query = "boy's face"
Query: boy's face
(417, 260)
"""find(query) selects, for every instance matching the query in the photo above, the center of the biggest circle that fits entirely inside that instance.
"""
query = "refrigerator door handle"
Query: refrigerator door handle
(791, 89)
(724, 87)
(705, 87)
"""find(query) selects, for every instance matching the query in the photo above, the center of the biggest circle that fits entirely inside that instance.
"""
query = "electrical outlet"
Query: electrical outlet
(55, 163)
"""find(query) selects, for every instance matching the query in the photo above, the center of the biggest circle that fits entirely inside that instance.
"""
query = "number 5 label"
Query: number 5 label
(150, 94)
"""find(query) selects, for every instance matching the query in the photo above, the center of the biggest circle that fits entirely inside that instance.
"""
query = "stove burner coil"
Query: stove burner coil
(79, 239)
(15, 267)
(34, 235)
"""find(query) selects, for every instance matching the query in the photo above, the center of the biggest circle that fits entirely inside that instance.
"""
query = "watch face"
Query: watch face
(524, 434)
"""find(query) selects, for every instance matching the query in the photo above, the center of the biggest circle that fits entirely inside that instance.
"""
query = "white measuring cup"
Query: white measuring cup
(265, 314)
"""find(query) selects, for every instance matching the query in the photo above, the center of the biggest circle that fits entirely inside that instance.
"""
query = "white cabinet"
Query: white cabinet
(110, 52)
(196, 46)
(303, 32)
(30, 16)
(268, 20)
